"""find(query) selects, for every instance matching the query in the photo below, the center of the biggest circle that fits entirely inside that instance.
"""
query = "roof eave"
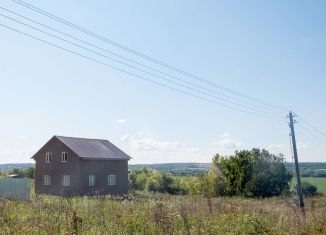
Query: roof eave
(33, 157)
(101, 158)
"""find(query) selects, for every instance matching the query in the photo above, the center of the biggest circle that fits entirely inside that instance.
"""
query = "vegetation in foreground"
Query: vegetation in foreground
(161, 214)
(255, 204)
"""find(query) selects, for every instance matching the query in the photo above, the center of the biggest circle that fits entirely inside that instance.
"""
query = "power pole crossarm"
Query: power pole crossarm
(295, 154)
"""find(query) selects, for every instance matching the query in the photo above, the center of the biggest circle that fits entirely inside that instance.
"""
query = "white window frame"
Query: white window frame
(46, 180)
(48, 157)
(91, 180)
(64, 157)
(112, 180)
(66, 180)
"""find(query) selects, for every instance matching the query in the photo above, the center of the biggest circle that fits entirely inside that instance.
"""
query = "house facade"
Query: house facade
(78, 166)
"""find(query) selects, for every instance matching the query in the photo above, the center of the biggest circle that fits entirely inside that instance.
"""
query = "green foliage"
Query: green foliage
(208, 185)
(177, 169)
(149, 213)
(253, 173)
(308, 189)
(154, 181)
(320, 182)
(151, 180)
(309, 169)
(138, 178)
(29, 172)
(2, 174)
(236, 169)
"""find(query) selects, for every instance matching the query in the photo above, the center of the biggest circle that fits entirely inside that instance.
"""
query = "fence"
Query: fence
(15, 188)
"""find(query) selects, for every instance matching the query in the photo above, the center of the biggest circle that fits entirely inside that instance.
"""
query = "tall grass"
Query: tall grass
(161, 214)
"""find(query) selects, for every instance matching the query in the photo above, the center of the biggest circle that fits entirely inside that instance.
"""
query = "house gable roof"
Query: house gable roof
(93, 148)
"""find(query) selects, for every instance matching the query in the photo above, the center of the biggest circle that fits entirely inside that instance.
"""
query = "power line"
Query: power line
(320, 142)
(125, 64)
(312, 127)
(88, 32)
(173, 82)
(136, 75)
(311, 133)
(310, 139)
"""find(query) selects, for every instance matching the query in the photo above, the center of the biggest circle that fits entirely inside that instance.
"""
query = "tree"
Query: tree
(138, 178)
(253, 172)
(16, 171)
(236, 171)
(269, 175)
(154, 181)
(29, 172)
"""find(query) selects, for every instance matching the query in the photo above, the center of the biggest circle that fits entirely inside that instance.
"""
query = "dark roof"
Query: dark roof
(93, 148)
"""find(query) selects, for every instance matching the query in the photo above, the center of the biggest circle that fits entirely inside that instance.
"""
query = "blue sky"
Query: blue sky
(273, 51)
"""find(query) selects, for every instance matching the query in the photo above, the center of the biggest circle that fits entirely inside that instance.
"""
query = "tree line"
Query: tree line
(248, 173)
(28, 172)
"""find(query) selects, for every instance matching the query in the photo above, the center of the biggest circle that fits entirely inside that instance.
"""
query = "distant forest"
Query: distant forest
(308, 169)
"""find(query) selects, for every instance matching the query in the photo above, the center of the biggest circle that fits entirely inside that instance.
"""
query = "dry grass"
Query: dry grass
(161, 214)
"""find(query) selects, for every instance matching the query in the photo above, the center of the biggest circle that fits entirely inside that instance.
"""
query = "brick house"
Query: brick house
(79, 166)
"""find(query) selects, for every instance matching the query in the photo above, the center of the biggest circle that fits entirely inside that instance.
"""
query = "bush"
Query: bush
(309, 189)
(154, 181)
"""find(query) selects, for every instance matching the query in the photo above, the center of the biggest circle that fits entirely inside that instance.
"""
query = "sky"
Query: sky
(273, 51)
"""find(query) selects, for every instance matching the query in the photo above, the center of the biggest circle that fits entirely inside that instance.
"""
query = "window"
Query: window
(64, 157)
(46, 180)
(112, 180)
(66, 180)
(91, 180)
(48, 157)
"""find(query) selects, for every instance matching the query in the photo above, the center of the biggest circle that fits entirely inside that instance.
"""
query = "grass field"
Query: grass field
(320, 182)
(161, 214)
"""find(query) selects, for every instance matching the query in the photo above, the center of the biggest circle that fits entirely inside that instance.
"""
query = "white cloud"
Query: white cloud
(226, 141)
(145, 149)
(121, 121)
(126, 137)
(229, 143)
(277, 146)
(285, 147)
(225, 135)
(149, 144)
(10, 155)
(193, 150)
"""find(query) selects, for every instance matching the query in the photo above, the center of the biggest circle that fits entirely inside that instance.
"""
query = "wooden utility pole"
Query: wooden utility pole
(295, 153)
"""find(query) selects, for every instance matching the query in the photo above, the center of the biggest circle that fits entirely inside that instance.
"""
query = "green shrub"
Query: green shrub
(253, 173)
(309, 189)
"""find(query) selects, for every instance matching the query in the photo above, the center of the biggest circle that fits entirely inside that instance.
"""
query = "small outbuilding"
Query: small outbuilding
(15, 176)
(79, 166)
